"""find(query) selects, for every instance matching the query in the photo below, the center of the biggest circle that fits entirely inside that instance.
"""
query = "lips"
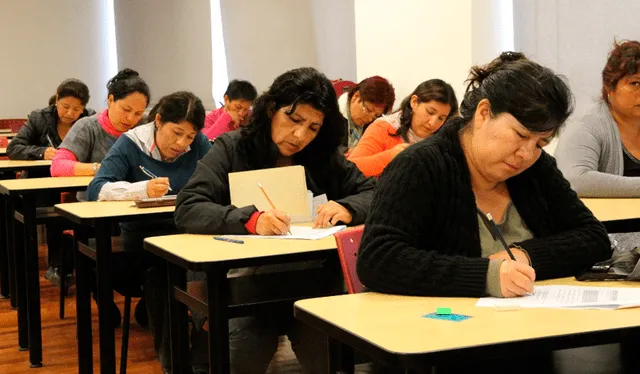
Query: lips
(515, 168)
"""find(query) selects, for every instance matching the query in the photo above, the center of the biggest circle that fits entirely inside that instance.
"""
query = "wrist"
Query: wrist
(95, 166)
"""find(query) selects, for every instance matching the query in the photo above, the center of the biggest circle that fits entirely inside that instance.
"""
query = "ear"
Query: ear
(271, 111)
(414, 102)
(109, 100)
(226, 100)
(356, 97)
(56, 98)
(482, 114)
(157, 121)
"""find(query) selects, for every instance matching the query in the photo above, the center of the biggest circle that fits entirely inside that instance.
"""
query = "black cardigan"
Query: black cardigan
(203, 206)
(31, 141)
(422, 236)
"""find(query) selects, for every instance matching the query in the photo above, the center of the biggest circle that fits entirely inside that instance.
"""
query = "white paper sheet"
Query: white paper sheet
(298, 232)
(570, 297)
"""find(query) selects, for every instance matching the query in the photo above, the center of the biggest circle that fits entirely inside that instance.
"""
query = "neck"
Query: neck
(284, 161)
(628, 125)
(479, 183)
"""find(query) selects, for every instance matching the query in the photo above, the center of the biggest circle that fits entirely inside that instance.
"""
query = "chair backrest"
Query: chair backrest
(12, 123)
(341, 86)
(4, 142)
(348, 243)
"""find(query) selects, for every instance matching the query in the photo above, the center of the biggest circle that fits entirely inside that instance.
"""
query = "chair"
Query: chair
(4, 142)
(342, 86)
(348, 243)
(14, 124)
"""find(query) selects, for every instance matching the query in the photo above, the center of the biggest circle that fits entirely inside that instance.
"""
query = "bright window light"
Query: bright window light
(112, 48)
(220, 74)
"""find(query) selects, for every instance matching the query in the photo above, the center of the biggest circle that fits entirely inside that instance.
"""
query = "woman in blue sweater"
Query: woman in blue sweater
(168, 147)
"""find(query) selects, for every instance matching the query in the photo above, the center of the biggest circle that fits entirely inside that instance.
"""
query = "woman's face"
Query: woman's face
(292, 132)
(625, 98)
(173, 139)
(500, 147)
(69, 109)
(239, 109)
(126, 112)
(428, 117)
(363, 112)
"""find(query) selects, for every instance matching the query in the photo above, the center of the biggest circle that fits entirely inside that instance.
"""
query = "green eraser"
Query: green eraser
(442, 311)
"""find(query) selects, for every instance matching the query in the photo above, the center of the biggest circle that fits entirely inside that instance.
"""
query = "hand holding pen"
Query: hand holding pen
(273, 222)
(156, 187)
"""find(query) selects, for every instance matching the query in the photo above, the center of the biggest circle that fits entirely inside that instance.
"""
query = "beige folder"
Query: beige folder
(286, 187)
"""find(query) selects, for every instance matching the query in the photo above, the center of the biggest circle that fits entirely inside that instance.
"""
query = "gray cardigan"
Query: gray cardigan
(589, 154)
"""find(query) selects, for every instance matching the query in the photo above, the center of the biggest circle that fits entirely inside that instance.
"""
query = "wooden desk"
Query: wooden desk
(202, 253)
(20, 197)
(17, 165)
(618, 215)
(3, 152)
(100, 217)
(391, 327)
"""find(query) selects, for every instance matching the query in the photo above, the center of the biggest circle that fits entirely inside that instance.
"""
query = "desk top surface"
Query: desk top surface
(204, 249)
(20, 164)
(36, 184)
(396, 323)
(90, 210)
(613, 209)
(3, 151)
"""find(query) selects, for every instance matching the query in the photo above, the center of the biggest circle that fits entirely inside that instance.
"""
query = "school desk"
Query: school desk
(21, 196)
(3, 152)
(99, 217)
(226, 298)
(617, 214)
(392, 329)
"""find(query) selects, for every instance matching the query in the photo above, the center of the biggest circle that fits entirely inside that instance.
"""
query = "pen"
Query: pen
(269, 200)
(222, 239)
(495, 231)
(150, 174)
(50, 142)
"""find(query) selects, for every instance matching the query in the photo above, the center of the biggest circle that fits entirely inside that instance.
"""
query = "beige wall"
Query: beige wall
(44, 42)
(169, 43)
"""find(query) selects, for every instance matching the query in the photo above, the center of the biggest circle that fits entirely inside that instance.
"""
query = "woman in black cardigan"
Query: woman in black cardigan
(424, 235)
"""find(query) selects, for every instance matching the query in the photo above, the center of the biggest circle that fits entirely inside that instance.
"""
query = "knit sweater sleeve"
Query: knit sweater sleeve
(399, 253)
(203, 205)
(372, 153)
(577, 239)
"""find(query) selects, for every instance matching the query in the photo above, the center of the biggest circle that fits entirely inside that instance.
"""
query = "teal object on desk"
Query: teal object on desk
(448, 317)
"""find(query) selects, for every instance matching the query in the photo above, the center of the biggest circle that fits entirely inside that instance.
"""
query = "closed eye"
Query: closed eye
(522, 136)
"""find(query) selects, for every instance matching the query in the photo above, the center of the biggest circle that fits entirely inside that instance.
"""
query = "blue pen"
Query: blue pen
(222, 239)
(150, 174)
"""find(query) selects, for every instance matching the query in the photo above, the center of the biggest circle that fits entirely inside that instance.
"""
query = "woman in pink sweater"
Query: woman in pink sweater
(421, 114)
(89, 140)
(235, 112)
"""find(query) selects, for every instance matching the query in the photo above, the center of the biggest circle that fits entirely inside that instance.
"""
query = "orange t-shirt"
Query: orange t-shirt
(373, 151)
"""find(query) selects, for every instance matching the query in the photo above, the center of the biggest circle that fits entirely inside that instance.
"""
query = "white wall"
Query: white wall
(169, 43)
(335, 39)
(411, 41)
(45, 42)
(492, 29)
(574, 39)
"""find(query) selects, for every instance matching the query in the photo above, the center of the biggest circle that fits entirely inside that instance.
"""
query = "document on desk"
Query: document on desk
(298, 232)
(570, 297)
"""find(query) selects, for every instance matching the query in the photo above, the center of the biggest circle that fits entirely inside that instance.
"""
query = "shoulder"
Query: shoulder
(342, 103)
(42, 116)
(597, 120)
(201, 143)
(381, 127)
(88, 112)
(84, 126)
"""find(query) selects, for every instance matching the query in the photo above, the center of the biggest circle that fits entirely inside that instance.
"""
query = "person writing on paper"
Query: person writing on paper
(366, 101)
(600, 153)
(421, 114)
(295, 122)
(89, 140)
(41, 135)
(436, 241)
(235, 112)
(169, 147)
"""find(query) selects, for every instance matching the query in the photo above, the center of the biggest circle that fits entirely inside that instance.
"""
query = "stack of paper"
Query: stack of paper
(571, 297)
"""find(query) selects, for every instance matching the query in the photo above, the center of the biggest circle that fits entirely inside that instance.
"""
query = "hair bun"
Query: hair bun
(123, 74)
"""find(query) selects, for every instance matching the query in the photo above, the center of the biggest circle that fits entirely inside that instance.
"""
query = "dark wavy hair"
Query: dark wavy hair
(431, 90)
(624, 59)
(126, 82)
(179, 106)
(537, 97)
(293, 88)
(73, 88)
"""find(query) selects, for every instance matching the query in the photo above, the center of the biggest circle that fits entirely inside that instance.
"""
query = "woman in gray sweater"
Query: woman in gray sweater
(600, 154)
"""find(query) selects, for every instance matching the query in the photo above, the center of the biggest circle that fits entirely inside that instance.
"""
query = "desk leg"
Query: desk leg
(19, 276)
(178, 327)
(32, 275)
(4, 259)
(340, 357)
(10, 237)
(105, 298)
(218, 299)
(83, 302)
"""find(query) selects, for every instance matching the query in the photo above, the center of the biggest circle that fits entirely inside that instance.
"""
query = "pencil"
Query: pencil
(150, 174)
(269, 200)
(496, 233)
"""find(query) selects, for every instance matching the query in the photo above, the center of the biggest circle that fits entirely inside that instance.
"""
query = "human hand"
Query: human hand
(517, 253)
(516, 279)
(49, 153)
(399, 148)
(330, 213)
(273, 222)
(157, 187)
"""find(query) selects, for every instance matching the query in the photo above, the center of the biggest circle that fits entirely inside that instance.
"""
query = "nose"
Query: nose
(183, 142)
(300, 132)
(528, 152)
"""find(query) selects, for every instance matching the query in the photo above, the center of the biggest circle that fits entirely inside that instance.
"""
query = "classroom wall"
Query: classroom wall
(411, 41)
(574, 39)
(169, 43)
(491, 29)
(45, 42)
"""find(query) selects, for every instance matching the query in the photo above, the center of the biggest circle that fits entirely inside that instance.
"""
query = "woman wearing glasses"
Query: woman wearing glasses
(421, 114)
(365, 102)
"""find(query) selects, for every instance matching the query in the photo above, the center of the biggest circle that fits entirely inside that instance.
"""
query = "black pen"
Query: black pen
(496, 234)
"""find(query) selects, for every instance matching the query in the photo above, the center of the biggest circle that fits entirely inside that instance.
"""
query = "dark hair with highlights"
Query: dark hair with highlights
(375, 90)
(624, 59)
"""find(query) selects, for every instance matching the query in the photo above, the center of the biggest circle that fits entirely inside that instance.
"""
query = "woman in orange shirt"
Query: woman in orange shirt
(421, 114)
